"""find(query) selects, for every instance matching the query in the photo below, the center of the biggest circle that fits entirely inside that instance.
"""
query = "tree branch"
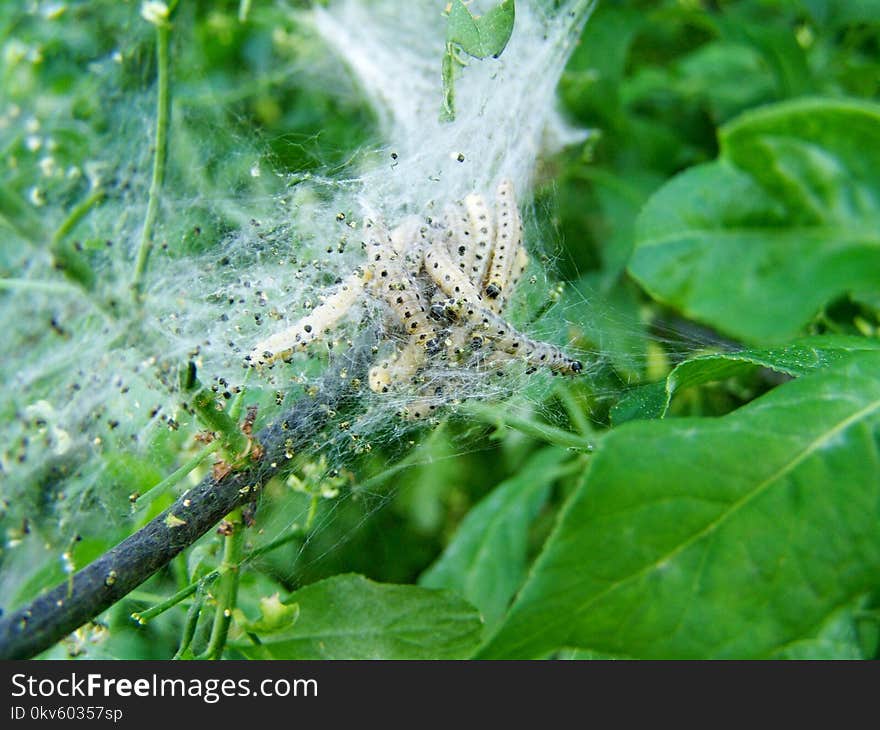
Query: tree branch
(54, 614)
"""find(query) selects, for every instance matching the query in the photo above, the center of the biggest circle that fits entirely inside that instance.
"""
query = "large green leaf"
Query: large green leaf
(799, 358)
(784, 222)
(350, 617)
(486, 560)
(836, 638)
(737, 536)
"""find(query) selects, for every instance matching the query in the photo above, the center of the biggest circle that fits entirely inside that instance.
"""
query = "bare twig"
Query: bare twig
(54, 614)
(163, 116)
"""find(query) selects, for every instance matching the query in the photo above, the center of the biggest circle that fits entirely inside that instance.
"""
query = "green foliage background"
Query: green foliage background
(713, 491)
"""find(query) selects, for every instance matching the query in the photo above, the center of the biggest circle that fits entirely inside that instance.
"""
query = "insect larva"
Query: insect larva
(483, 228)
(457, 237)
(468, 306)
(445, 283)
(430, 399)
(399, 369)
(282, 345)
(451, 279)
(379, 377)
(398, 287)
(469, 231)
(405, 301)
(507, 339)
(402, 236)
(420, 408)
(521, 261)
(508, 237)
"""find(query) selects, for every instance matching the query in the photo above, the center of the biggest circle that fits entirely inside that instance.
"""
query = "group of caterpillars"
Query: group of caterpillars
(443, 283)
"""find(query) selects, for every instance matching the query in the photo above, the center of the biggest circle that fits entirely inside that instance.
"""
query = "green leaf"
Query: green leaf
(350, 617)
(461, 28)
(583, 655)
(275, 616)
(728, 537)
(837, 638)
(642, 403)
(787, 220)
(799, 358)
(731, 77)
(481, 36)
(486, 560)
(477, 36)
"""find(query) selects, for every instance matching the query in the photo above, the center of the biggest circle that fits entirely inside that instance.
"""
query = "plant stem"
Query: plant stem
(204, 403)
(447, 74)
(163, 106)
(146, 596)
(238, 402)
(143, 616)
(77, 214)
(222, 422)
(176, 476)
(189, 626)
(313, 511)
(227, 586)
(66, 257)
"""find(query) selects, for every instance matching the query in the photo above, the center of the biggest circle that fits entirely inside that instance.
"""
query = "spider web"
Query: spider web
(95, 408)
(506, 119)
